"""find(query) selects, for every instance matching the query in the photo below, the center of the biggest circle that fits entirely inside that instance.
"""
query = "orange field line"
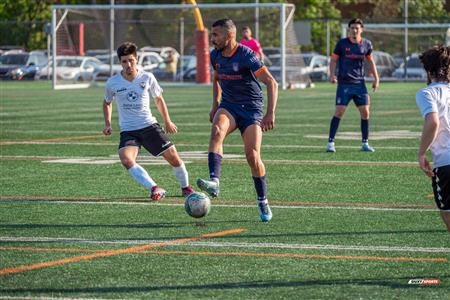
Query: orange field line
(105, 253)
(292, 255)
(24, 197)
(250, 254)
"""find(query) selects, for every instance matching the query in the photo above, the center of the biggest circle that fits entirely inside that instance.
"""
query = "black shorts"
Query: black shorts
(441, 187)
(152, 138)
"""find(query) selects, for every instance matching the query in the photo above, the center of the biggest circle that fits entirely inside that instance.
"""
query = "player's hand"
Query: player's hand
(107, 130)
(171, 127)
(425, 165)
(375, 85)
(268, 122)
(333, 79)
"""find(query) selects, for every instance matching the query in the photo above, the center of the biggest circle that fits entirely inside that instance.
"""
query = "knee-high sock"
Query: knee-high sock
(141, 176)
(333, 128)
(182, 175)
(260, 187)
(214, 160)
(365, 130)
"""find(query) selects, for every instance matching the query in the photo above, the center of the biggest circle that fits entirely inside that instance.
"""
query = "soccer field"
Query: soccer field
(347, 225)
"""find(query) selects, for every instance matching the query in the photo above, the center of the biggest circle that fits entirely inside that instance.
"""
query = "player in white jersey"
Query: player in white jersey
(132, 90)
(434, 104)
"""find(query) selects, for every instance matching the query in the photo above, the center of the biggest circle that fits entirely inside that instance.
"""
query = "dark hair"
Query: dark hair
(226, 23)
(436, 61)
(127, 48)
(356, 21)
(246, 28)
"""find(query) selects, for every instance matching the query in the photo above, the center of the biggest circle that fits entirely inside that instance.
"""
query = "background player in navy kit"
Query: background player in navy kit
(434, 105)
(237, 103)
(132, 90)
(349, 54)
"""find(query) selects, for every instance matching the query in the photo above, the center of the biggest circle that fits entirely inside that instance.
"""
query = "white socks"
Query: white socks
(141, 176)
(182, 175)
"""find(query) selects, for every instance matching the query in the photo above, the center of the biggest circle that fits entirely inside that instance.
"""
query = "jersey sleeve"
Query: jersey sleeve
(154, 88)
(424, 101)
(254, 64)
(369, 49)
(109, 93)
(212, 56)
(337, 52)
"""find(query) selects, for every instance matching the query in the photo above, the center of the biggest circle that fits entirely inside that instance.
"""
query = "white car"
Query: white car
(148, 61)
(72, 68)
(414, 69)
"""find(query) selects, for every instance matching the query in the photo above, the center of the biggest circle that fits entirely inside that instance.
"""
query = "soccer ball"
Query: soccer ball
(197, 205)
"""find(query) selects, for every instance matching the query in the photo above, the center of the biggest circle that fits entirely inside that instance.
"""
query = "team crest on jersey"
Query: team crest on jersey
(132, 96)
(235, 66)
(142, 84)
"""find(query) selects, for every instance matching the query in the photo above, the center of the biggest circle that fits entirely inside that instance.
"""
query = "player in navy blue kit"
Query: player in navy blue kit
(238, 103)
(349, 55)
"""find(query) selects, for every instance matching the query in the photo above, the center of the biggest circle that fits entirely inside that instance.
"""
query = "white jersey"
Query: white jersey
(133, 99)
(436, 98)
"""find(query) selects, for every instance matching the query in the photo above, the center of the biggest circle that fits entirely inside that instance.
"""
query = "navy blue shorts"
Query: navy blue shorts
(244, 114)
(347, 92)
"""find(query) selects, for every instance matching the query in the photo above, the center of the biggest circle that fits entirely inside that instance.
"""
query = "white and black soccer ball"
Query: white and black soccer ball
(132, 96)
(197, 205)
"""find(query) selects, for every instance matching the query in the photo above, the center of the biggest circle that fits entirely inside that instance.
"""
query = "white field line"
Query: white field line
(205, 146)
(201, 156)
(387, 209)
(230, 244)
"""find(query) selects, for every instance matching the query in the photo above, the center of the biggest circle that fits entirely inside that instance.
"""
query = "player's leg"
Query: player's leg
(362, 101)
(252, 136)
(342, 100)
(128, 155)
(223, 124)
(179, 170)
(445, 215)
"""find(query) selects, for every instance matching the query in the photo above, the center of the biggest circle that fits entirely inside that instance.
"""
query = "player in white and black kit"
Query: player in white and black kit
(434, 104)
(132, 90)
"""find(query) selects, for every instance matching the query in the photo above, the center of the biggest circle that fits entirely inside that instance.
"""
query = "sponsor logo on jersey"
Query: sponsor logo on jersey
(121, 90)
(132, 96)
(235, 66)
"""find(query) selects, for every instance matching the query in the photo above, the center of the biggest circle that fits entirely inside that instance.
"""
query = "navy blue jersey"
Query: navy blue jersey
(351, 60)
(237, 76)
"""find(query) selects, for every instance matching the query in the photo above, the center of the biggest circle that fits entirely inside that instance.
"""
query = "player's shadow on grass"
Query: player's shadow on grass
(398, 282)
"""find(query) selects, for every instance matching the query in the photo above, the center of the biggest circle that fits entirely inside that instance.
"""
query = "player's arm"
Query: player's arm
(107, 113)
(169, 126)
(332, 68)
(268, 121)
(429, 132)
(217, 95)
(373, 70)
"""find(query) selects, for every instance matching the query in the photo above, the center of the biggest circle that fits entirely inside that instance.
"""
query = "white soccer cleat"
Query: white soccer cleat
(209, 186)
(366, 148)
(330, 147)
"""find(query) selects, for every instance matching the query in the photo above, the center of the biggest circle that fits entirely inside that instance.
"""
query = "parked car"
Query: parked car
(18, 65)
(312, 65)
(385, 64)
(414, 69)
(148, 61)
(72, 68)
